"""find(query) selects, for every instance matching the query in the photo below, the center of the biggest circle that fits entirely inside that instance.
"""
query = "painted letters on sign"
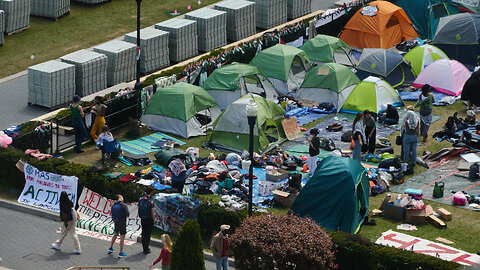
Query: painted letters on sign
(42, 189)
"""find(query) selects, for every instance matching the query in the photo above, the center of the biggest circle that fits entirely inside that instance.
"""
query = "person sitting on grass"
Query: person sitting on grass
(449, 130)
(105, 136)
(389, 116)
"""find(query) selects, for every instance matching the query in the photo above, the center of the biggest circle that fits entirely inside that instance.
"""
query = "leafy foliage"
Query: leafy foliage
(187, 251)
(281, 242)
(212, 216)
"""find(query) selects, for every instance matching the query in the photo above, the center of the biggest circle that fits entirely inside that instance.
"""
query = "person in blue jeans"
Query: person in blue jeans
(358, 136)
(411, 132)
(77, 122)
(220, 247)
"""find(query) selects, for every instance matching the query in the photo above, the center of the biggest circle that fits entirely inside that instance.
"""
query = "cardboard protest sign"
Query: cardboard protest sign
(42, 189)
(291, 128)
(95, 215)
(173, 209)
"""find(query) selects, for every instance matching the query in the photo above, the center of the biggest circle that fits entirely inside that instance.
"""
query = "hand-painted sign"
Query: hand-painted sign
(42, 189)
(173, 209)
(369, 11)
(419, 245)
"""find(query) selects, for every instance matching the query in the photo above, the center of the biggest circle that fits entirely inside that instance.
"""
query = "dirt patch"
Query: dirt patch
(117, 34)
(70, 48)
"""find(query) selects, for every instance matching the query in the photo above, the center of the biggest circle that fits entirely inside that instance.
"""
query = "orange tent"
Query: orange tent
(381, 24)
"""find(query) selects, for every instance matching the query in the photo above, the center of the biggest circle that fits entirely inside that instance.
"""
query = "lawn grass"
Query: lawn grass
(84, 27)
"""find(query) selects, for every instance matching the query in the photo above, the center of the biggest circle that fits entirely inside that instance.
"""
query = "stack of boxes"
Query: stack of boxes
(240, 18)
(121, 61)
(182, 38)
(49, 8)
(17, 14)
(211, 28)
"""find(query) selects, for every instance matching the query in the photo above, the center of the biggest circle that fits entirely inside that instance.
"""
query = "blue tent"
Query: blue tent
(389, 65)
(336, 197)
(425, 14)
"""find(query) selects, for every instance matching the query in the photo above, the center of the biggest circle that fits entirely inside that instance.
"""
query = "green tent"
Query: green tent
(285, 66)
(325, 49)
(370, 94)
(336, 196)
(422, 56)
(230, 82)
(231, 131)
(328, 82)
(173, 109)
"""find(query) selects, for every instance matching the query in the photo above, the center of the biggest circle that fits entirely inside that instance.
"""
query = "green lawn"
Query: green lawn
(84, 27)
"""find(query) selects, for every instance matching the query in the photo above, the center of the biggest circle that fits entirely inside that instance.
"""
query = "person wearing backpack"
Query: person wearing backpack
(120, 214)
(146, 211)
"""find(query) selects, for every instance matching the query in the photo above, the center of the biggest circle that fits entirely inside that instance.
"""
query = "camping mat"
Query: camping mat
(306, 115)
(413, 96)
(144, 145)
(310, 117)
(301, 149)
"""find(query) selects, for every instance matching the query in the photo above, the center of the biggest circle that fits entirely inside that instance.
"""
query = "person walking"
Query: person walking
(313, 151)
(69, 218)
(220, 247)
(99, 110)
(120, 214)
(77, 122)
(179, 172)
(410, 136)
(164, 253)
(146, 211)
(370, 131)
(358, 136)
(425, 102)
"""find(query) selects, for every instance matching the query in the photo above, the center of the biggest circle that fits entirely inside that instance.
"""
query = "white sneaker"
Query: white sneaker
(55, 246)
(77, 251)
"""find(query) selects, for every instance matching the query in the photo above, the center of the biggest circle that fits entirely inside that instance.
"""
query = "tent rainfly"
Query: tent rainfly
(327, 49)
(422, 56)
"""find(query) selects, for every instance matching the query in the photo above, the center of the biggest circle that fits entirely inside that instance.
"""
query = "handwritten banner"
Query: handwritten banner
(173, 209)
(42, 189)
(100, 236)
(96, 216)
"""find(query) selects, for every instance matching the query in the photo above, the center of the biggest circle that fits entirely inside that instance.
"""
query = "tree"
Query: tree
(187, 251)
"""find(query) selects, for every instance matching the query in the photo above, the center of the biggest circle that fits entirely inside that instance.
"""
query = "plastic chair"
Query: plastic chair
(108, 151)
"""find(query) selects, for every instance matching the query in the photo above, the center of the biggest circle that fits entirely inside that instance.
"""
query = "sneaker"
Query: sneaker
(123, 254)
(55, 246)
(77, 251)
(110, 250)
(148, 251)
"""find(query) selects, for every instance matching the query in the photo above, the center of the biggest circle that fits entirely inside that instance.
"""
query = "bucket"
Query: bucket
(404, 166)
(246, 164)
(438, 189)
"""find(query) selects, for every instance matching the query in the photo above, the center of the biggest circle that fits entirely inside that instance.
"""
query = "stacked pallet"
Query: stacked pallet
(121, 61)
(2, 26)
(298, 8)
(211, 28)
(90, 71)
(51, 84)
(182, 38)
(153, 48)
(240, 18)
(49, 8)
(270, 13)
(92, 2)
(17, 14)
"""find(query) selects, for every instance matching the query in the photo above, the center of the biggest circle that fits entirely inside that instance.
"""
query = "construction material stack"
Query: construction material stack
(240, 18)
(121, 61)
(211, 28)
(182, 38)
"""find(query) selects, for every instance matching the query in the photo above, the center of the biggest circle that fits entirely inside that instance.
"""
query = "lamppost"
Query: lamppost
(138, 85)
(252, 116)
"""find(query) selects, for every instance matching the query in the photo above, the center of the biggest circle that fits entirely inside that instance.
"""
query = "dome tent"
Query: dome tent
(327, 49)
(389, 65)
(380, 24)
(346, 210)
(285, 66)
(329, 82)
(370, 94)
(230, 82)
(446, 76)
(231, 130)
(173, 109)
(422, 56)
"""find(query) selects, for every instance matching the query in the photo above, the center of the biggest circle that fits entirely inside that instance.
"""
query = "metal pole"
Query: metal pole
(251, 124)
(138, 85)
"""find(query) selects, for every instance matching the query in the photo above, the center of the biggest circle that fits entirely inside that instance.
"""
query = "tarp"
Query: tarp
(422, 56)
(446, 76)
(425, 14)
(381, 29)
(326, 49)
(173, 209)
(336, 197)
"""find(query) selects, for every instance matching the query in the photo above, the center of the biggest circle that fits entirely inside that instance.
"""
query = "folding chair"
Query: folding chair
(109, 151)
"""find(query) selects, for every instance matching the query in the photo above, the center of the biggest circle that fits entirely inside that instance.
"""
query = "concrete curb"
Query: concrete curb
(54, 216)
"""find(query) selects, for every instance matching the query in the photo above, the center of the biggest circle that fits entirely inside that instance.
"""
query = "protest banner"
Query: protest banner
(419, 245)
(173, 209)
(100, 236)
(42, 189)
(95, 215)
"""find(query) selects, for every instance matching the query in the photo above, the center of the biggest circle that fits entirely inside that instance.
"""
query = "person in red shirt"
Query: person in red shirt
(220, 247)
(164, 253)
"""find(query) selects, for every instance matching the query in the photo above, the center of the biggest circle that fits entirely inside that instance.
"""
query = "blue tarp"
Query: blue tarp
(413, 96)
(306, 115)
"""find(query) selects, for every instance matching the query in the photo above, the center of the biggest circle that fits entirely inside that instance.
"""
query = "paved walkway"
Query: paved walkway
(26, 241)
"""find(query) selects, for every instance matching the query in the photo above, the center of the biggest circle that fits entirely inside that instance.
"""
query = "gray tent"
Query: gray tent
(389, 65)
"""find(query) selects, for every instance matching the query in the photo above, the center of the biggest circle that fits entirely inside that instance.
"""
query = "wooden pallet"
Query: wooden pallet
(18, 30)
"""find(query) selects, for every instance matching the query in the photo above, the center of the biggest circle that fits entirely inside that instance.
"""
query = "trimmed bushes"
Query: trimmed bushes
(285, 242)
(212, 216)
(187, 251)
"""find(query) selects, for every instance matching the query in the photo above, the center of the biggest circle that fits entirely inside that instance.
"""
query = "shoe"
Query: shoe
(123, 254)
(97, 148)
(77, 251)
(425, 139)
(148, 251)
(55, 246)
(110, 250)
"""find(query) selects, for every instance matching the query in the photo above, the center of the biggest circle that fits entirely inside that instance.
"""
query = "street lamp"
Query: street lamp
(138, 85)
(252, 116)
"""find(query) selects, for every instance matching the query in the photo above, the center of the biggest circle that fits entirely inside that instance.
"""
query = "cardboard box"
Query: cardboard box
(20, 165)
(436, 222)
(394, 212)
(276, 175)
(415, 216)
(285, 198)
(136, 128)
(444, 214)
(385, 202)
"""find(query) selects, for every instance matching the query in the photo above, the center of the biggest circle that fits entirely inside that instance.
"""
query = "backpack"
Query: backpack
(474, 172)
(327, 144)
(144, 207)
(117, 212)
